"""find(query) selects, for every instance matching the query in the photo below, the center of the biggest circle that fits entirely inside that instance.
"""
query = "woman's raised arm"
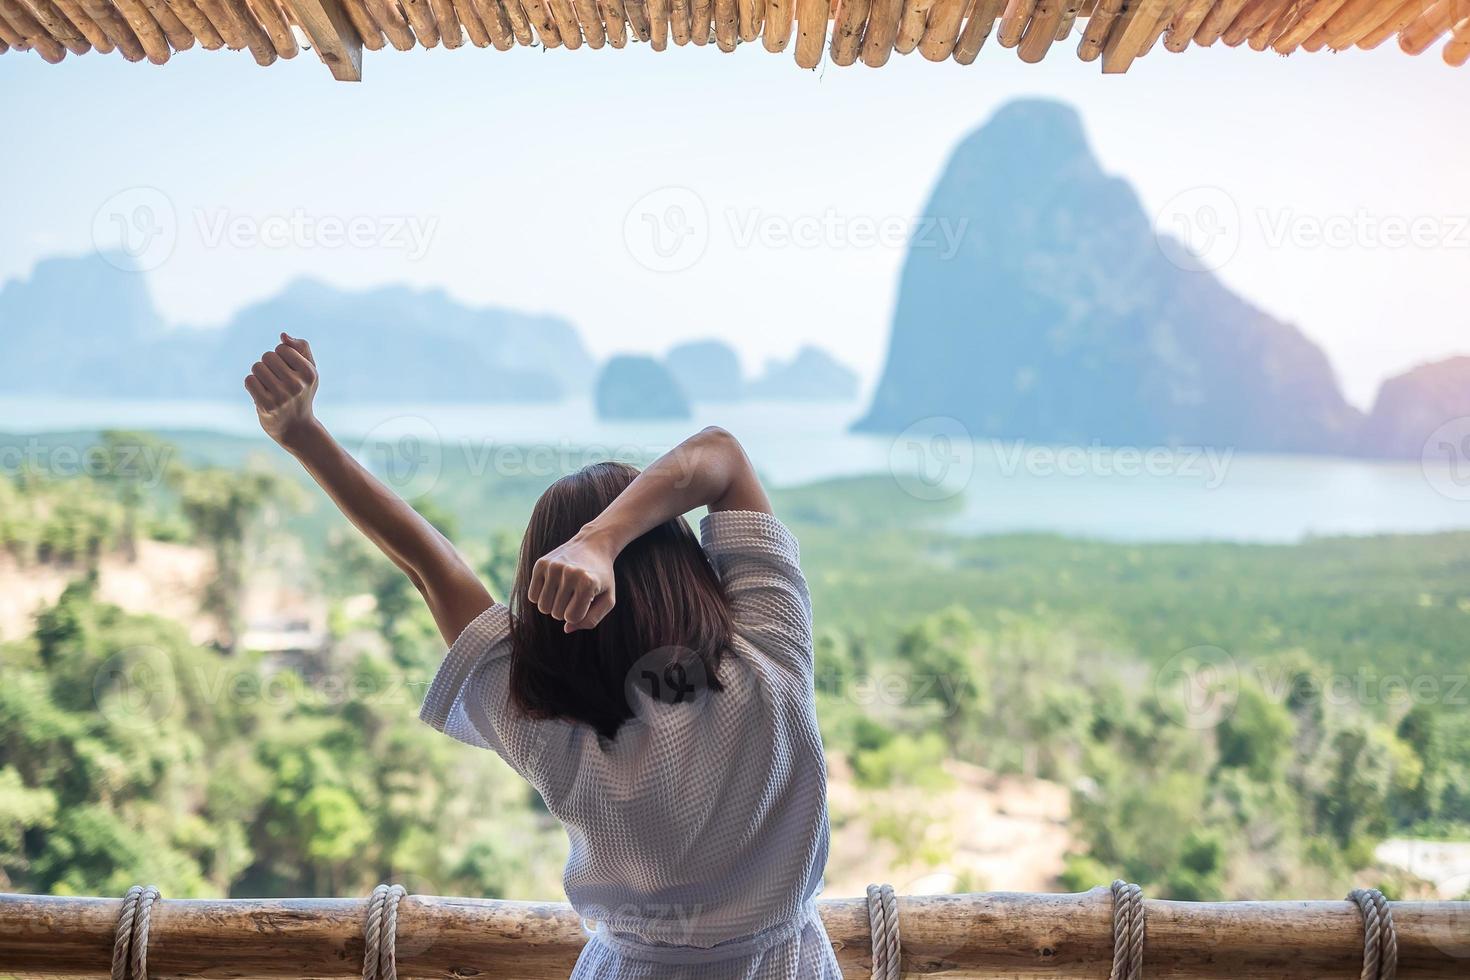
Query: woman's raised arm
(575, 582)
(283, 384)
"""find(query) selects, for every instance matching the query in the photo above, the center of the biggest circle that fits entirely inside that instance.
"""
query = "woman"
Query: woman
(655, 689)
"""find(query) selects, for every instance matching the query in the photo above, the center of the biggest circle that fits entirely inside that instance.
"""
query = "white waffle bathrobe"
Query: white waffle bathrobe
(699, 835)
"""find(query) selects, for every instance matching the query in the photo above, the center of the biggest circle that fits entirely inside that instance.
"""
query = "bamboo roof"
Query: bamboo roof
(1116, 32)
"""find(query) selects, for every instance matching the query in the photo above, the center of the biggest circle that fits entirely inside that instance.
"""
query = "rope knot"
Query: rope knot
(883, 921)
(1128, 929)
(130, 938)
(380, 934)
(1380, 939)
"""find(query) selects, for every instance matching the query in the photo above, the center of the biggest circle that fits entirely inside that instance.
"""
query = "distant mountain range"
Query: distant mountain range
(86, 327)
(1063, 317)
(82, 327)
(636, 387)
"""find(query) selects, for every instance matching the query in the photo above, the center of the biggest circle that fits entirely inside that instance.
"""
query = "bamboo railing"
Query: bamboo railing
(999, 934)
(1115, 31)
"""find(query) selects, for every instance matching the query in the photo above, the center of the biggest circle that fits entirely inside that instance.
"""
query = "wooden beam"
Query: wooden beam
(1130, 34)
(333, 37)
(995, 934)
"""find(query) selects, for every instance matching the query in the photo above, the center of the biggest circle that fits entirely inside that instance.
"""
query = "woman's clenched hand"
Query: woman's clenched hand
(283, 383)
(574, 583)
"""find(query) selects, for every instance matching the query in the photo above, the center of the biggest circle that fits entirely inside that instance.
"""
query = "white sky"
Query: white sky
(525, 166)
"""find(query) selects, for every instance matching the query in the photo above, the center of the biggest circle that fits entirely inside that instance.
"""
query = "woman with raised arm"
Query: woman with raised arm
(655, 688)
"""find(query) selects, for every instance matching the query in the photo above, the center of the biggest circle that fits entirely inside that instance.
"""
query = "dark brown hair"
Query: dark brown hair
(669, 605)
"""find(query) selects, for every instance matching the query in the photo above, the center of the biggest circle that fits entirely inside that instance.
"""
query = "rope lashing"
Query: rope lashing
(1380, 939)
(883, 921)
(380, 934)
(1128, 928)
(130, 940)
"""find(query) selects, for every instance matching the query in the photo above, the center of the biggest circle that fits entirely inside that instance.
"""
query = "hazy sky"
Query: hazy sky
(522, 179)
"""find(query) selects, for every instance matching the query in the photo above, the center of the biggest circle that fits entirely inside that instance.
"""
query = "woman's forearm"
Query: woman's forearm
(283, 385)
(575, 581)
(386, 519)
(453, 592)
(709, 469)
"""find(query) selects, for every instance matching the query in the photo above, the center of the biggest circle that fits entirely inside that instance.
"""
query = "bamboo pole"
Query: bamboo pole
(222, 17)
(811, 32)
(1068, 21)
(420, 18)
(1013, 22)
(1352, 20)
(946, 18)
(615, 17)
(658, 23)
(366, 27)
(198, 24)
(10, 37)
(1252, 17)
(911, 25)
(1457, 48)
(566, 24)
(451, 31)
(1040, 31)
(1218, 21)
(881, 32)
(1185, 23)
(847, 31)
(1161, 24)
(279, 32)
(589, 19)
(977, 30)
(178, 35)
(497, 24)
(1425, 29)
(149, 34)
(702, 18)
(474, 27)
(679, 21)
(637, 12)
(88, 27)
(1099, 26)
(750, 14)
(995, 934)
(32, 32)
(390, 18)
(255, 36)
(54, 23)
(545, 24)
(1401, 17)
(727, 25)
(777, 32)
(1306, 25)
(520, 22)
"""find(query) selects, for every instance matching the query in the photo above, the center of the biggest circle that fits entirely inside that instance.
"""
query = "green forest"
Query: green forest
(1230, 721)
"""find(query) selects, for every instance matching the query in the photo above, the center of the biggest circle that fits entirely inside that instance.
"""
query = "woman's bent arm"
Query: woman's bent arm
(283, 383)
(575, 582)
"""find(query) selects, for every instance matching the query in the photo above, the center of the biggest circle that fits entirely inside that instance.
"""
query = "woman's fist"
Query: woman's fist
(283, 384)
(574, 583)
